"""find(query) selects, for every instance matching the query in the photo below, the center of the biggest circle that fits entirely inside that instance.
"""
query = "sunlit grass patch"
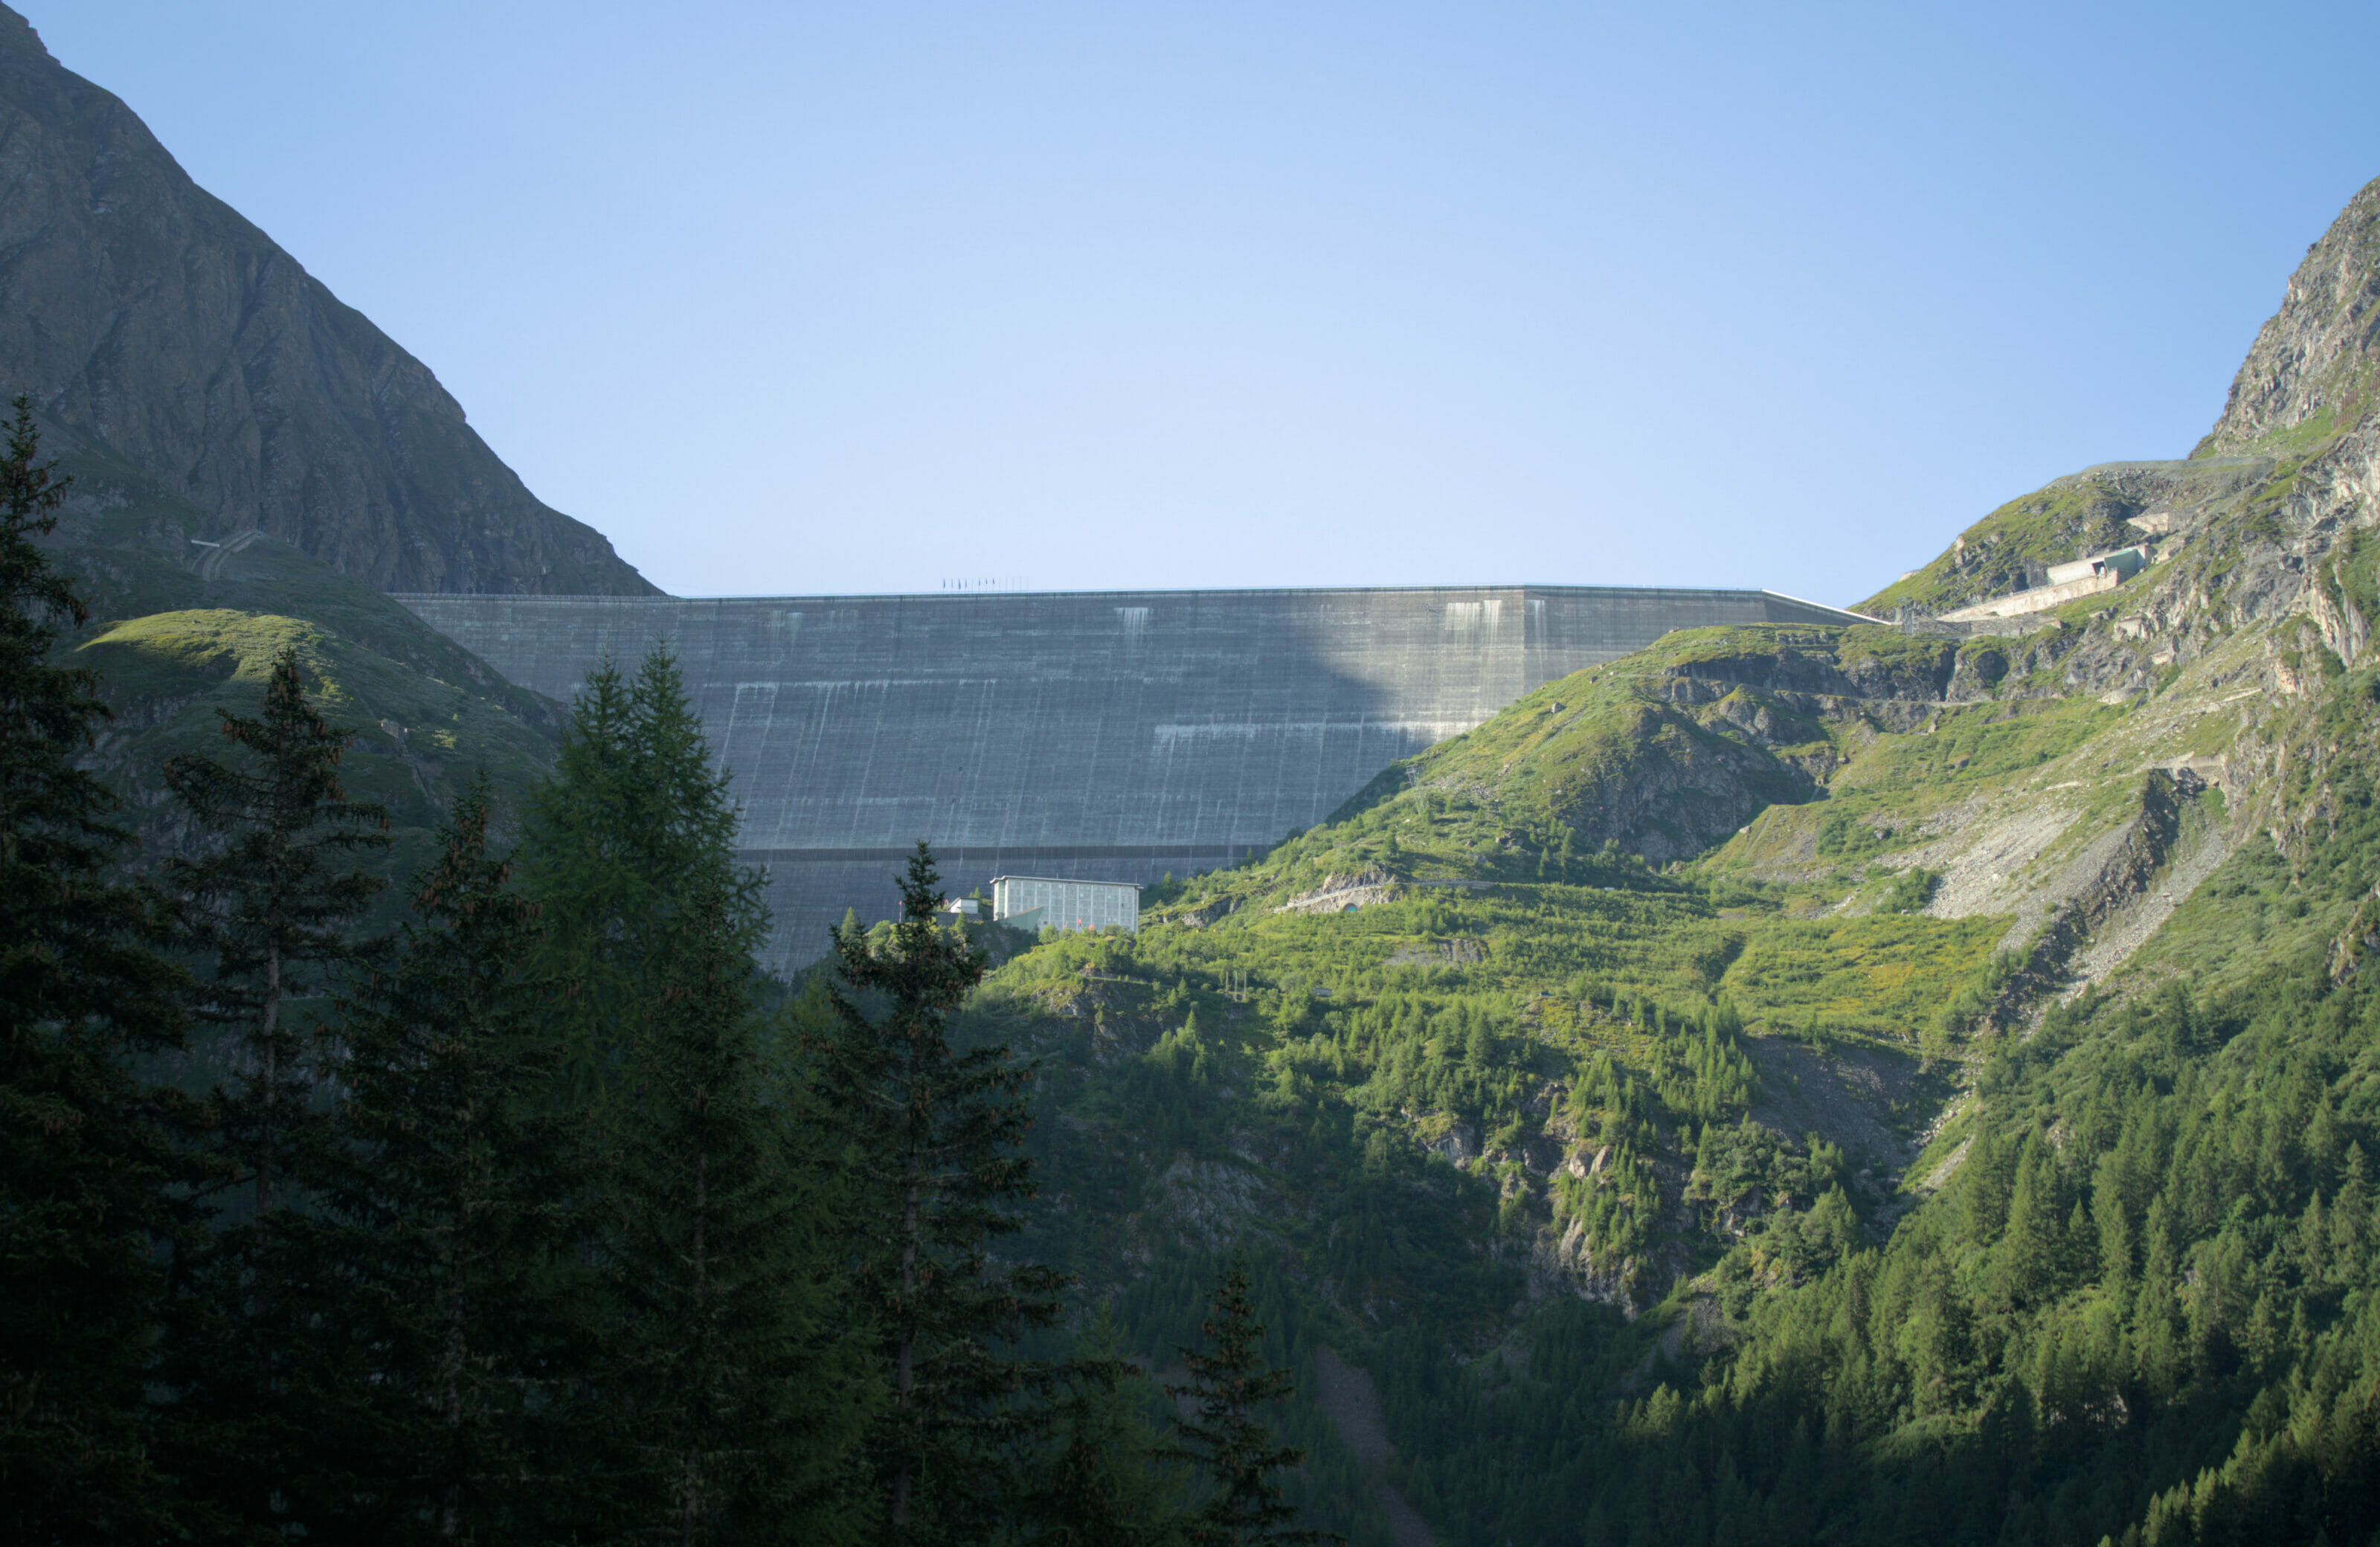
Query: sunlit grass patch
(1878, 976)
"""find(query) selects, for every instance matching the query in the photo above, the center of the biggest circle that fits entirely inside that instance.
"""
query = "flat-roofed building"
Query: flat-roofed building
(2124, 563)
(1040, 900)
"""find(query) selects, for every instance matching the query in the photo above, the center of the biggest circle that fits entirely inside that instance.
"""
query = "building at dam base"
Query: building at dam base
(1111, 736)
(1037, 902)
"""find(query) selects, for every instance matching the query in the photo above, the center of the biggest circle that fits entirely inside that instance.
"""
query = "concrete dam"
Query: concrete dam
(1111, 736)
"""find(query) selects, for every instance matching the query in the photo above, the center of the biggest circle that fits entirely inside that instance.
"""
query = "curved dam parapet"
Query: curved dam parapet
(1109, 735)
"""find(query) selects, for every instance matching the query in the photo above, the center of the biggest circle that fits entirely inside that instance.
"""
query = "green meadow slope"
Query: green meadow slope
(1535, 1132)
(1862, 1082)
(181, 630)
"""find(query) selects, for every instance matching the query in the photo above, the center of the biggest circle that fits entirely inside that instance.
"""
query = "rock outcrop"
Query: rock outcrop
(2293, 463)
(2312, 366)
(1344, 893)
(145, 316)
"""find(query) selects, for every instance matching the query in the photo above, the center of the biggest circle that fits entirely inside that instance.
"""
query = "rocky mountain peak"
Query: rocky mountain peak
(2311, 370)
(148, 318)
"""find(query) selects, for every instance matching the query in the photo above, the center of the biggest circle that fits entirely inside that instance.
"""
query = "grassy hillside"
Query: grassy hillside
(170, 675)
(1570, 1056)
(181, 631)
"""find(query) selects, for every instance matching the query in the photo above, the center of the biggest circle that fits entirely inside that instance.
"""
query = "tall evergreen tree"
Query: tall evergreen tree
(933, 1140)
(728, 1382)
(85, 1149)
(445, 1322)
(634, 826)
(2026, 1257)
(273, 901)
(271, 898)
(1227, 1440)
(1110, 1484)
(737, 1391)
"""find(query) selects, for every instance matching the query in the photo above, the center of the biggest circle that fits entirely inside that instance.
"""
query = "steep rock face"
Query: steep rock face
(2311, 368)
(143, 314)
(2291, 466)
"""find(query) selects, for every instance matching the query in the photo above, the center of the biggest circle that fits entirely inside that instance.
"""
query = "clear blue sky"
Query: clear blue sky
(791, 297)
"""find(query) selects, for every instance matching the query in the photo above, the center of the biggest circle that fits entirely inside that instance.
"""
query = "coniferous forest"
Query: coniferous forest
(546, 1217)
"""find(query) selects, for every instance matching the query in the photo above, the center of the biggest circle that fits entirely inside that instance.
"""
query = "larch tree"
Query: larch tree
(736, 1388)
(634, 826)
(729, 1382)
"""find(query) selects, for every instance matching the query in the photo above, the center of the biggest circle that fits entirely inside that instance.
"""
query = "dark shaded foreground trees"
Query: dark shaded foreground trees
(88, 1168)
(446, 1301)
(1111, 1483)
(536, 1223)
(268, 902)
(734, 1387)
(1225, 1435)
(726, 1375)
(931, 1153)
(535, 1273)
(977, 1440)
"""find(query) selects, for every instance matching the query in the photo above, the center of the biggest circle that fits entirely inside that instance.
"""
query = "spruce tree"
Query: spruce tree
(271, 897)
(86, 1151)
(1227, 1440)
(272, 901)
(932, 1138)
(446, 1317)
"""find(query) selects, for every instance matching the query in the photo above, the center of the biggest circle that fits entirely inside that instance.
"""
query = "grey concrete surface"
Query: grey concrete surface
(1107, 735)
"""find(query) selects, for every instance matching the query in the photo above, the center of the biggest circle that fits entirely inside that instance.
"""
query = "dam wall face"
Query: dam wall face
(1111, 736)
